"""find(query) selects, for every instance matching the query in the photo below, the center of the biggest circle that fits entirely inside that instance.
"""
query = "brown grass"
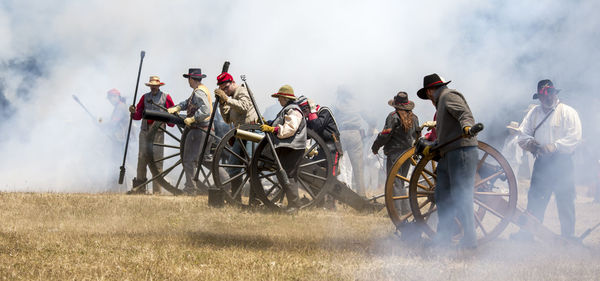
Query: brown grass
(119, 237)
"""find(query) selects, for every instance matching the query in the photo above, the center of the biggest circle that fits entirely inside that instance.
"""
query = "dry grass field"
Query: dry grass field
(142, 237)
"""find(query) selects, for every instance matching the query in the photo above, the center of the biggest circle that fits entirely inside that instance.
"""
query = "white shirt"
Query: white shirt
(290, 125)
(562, 128)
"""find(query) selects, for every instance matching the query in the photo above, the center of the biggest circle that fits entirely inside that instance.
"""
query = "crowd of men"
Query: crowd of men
(550, 132)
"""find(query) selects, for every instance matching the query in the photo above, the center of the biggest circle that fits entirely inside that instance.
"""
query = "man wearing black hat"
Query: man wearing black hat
(458, 161)
(551, 131)
(399, 133)
(198, 109)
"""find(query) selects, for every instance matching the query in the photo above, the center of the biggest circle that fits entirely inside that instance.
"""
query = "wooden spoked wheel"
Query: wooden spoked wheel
(495, 194)
(395, 198)
(231, 166)
(313, 177)
(171, 176)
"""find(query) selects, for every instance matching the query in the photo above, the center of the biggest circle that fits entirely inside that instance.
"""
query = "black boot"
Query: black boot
(139, 190)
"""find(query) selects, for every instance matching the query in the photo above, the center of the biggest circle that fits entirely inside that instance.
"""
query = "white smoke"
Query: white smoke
(495, 52)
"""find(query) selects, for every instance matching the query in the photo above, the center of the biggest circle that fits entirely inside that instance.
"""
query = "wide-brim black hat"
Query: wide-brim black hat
(401, 101)
(430, 81)
(194, 73)
(545, 87)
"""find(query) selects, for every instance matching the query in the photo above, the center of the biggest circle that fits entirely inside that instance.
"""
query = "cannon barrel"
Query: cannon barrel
(162, 117)
(246, 135)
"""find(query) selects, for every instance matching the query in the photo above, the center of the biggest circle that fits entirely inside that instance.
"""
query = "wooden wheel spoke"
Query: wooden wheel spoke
(169, 133)
(406, 216)
(403, 197)
(236, 155)
(429, 182)
(313, 176)
(413, 161)
(423, 186)
(206, 175)
(166, 145)
(262, 176)
(491, 177)
(233, 178)
(403, 178)
(482, 193)
(482, 160)
(312, 163)
(478, 221)
(425, 193)
(179, 178)
(271, 189)
(239, 189)
(488, 208)
(244, 148)
(232, 166)
(168, 157)
(430, 173)
(164, 172)
(307, 188)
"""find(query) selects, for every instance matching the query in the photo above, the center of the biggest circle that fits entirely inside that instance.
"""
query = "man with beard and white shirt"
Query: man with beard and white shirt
(551, 132)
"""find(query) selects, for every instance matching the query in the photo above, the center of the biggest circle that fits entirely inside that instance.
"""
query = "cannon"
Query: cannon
(495, 198)
(170, 177)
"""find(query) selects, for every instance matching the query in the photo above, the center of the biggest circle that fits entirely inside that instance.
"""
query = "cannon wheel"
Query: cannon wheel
(495, 194)
(171, 151)
(236, 186)
(314, 174)
(391, 198)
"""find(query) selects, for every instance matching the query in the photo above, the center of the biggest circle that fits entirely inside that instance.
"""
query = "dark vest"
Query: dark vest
(159, 98)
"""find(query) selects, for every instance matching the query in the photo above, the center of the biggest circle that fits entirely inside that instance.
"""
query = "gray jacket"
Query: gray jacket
(453, 114)
(239, 109)
(393, 137)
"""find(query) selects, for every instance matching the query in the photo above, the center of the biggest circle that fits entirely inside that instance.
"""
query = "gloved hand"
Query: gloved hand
(268, 129)
(132, 108)
(375, 151)
(467, 131)
(429, 124)
(424, 147)
(312, 106)
(189, 121)
(547, 149)
(222, 96)
(173, 109)
(531, 146)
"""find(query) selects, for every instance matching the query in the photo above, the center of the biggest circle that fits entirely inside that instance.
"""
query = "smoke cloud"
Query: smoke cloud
(494, 52)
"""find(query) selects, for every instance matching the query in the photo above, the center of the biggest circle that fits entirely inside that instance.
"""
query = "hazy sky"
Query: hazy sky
(493, 51)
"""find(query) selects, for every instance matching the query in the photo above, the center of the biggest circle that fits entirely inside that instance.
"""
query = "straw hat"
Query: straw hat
(513, 126)
(154, 81)
(285, 91)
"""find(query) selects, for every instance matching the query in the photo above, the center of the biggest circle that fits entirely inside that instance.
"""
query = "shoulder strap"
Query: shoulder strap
(543, 120)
